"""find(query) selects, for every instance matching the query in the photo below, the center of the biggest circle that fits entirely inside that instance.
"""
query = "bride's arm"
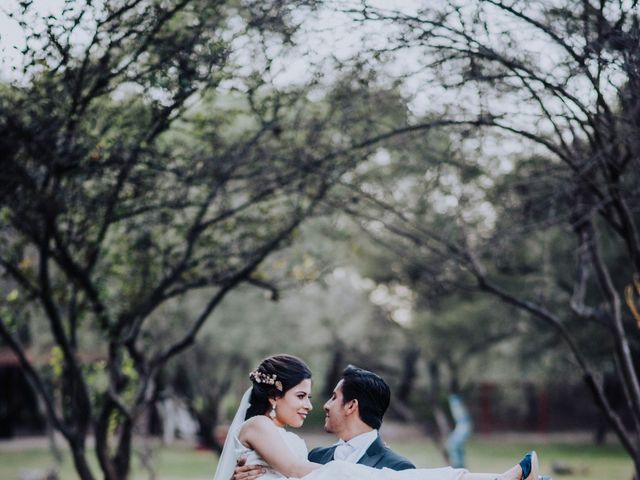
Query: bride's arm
(261, 435)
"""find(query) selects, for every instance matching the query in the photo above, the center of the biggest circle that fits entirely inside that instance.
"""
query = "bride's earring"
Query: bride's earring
(272, 413)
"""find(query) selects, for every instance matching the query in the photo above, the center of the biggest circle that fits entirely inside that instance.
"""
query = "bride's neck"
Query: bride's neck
(279, 424)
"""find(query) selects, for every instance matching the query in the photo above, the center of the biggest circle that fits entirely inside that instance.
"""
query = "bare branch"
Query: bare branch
(233, 281)
(609, 290)
(34, 377)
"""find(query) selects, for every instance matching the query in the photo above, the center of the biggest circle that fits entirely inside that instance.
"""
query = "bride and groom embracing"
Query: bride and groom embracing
(280, 396)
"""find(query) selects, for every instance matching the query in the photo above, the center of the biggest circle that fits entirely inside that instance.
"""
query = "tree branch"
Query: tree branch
(610, 292)
(236, 279)
(33, 375)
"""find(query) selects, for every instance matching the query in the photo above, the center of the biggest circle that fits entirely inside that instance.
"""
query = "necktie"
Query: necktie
(342, 451)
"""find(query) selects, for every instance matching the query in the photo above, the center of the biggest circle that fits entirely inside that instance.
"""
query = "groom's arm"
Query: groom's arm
(247, 472)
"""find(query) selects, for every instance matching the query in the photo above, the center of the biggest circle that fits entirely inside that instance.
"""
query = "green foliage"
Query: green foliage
(132, 177)
(56, 363)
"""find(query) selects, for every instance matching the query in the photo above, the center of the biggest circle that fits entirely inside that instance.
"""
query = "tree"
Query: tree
(561, 78)
(202, 376)
(129, 179)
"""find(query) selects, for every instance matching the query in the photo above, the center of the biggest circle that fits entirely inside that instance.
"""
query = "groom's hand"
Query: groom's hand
(247, 472)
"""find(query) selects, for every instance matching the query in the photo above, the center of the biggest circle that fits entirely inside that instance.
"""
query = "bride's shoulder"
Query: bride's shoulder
(258, 428)
(260, 420)
(259, 423)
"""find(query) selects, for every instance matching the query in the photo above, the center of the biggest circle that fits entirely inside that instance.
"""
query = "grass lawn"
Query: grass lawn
(588, 462)
(181, 462)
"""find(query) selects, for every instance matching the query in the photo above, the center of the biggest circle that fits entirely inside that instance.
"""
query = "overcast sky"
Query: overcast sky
(322, 39)
(326, 34)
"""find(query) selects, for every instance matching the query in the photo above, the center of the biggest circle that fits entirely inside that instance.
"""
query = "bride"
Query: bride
(280, 396)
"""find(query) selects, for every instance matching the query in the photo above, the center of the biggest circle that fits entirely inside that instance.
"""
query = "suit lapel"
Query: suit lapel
(328, 454)
(373, 454)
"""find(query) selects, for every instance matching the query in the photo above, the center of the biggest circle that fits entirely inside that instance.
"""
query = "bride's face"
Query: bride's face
(292, 409)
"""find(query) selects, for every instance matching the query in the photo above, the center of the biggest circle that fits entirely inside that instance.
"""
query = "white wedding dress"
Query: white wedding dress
(296, 444)
(339, 470)
(334, 470)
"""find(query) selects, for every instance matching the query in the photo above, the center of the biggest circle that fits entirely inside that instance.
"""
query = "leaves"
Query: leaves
(132, 179)
(630, 299)
(13, 296)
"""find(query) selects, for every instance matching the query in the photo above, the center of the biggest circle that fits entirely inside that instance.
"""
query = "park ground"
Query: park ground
(573, 453)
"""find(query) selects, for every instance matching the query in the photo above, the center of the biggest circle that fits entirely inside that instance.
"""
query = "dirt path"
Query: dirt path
(391, 431)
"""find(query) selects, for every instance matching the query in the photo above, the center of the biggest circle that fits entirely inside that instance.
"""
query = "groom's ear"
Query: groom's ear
(351, 406)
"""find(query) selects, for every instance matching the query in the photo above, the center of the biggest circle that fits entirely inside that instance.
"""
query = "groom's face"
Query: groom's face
(334, 420)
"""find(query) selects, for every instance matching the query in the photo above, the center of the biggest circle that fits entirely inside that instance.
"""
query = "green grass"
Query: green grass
(180, 462)
(177, 462)
(587, 462)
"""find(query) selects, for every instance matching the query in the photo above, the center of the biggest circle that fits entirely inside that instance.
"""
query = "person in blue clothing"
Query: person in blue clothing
(462, 430)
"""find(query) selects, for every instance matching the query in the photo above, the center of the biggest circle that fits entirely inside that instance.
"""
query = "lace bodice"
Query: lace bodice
(294, 442)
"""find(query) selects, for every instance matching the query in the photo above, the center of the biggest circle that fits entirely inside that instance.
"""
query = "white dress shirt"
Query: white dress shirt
(353, 450)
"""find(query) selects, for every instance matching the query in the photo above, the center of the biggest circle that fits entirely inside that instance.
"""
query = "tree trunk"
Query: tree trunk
(440, 428)
(334, 371)
(116, 467)
(409, 373)
(207, 422)
(102, 441)
(122, 459)
(80, 460)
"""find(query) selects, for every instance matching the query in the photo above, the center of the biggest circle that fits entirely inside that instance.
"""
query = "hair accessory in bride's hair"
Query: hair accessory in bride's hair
(268, 379)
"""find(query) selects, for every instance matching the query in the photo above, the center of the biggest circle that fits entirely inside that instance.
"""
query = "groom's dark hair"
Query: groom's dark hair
(371, 391)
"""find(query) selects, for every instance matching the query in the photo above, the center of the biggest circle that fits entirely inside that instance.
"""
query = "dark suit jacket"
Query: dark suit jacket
(376, 456)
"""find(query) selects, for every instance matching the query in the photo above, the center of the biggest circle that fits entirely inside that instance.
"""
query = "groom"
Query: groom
(354, 414)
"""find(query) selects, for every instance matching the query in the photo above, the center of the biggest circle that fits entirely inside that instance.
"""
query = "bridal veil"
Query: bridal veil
(227, 462)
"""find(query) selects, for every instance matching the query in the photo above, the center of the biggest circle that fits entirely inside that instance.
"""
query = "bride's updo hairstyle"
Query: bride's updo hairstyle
(273, 378)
